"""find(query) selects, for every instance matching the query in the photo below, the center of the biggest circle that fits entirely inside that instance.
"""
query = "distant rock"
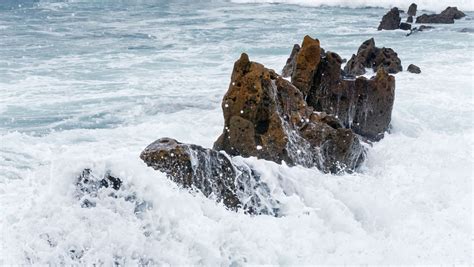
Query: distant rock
(414, 69)
(470, 30)
(210, 171)
(267, 117)
(391, 20)
(446, 17)
(370, 56)
(290, 62)
(405, 26)
(412, 10)
(410, 19)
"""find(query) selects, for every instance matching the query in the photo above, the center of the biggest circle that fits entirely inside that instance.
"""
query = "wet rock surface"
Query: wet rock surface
(447, 16)
(361, 104)
(391, 20)
(413, 69)
(419, 29)
(211, 172)
(290, 62)
(266, 116)
(370, 56)
(410, 19)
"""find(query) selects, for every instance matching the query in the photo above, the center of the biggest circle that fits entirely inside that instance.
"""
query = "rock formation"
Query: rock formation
(419, 29)
(266, 116)
(391, 20)
(447, 16)
(290, 62)
(410, 19)
(413, 69)
(412, 10)
(211, 172)
(370, 56)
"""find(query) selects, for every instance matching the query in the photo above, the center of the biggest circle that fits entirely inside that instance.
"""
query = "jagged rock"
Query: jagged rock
(306, 64)
(410, 19)
(405, 26)
(391, 20)
(364, 105)
(211, 172)
(89, 185)
(290, 62)
(412, 10)
(414, 69)
(447, 16)
(370, 56)
(267, 117)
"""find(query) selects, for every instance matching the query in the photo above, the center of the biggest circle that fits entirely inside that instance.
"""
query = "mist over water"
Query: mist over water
(89, 84)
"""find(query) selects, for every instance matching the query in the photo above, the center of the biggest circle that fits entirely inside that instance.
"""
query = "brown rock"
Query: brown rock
(370, 56)
(290, 62)
(391, 20)
(210, 171)
(414, 69)
(306, 64)
(267, 117)
(364, 105)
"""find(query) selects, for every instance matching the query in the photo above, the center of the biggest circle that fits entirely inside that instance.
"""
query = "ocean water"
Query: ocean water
(89, 84)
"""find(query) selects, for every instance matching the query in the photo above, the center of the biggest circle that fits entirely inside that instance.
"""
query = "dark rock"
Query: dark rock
(211, 172)
(414, 69)
(89, 186)
(412, 10)
(267, 117)
(447, 16)
(370, 56)
(405, 26)
(290, 62)
(391, 20)
(364, 105)
(419, 29)
(410, 19)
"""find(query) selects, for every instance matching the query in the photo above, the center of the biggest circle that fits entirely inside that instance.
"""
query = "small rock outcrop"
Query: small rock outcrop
(211, 172)
(410, 19)
(290, 62)
(413, 69)
(412, 10)
(405, 26)
(391, 20)
(419, 29)
(370, 56)
(267, 117)
(446, 17)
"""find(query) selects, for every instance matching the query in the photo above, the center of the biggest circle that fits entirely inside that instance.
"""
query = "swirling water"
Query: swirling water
(88, 84)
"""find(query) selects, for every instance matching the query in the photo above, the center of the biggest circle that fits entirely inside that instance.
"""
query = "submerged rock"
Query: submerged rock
(211, 172)
(419, 29)
(413, 69)
(267, 117)
(469, 30)
(290, 62)
(370, 56)
(391, 20)
(412, 10)
(446, 17)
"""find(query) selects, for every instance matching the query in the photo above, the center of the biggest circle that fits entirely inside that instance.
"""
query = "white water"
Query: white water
(90, 84)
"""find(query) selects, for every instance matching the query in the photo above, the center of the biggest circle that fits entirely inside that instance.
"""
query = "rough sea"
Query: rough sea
(90, 83)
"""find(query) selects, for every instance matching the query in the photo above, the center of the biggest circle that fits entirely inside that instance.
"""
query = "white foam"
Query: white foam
(464, 5)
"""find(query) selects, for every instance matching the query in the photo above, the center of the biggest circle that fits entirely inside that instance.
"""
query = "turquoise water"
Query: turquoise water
(91, 83)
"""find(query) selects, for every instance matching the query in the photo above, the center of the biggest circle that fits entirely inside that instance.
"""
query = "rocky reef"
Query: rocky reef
(391, 20)
(320, 118)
